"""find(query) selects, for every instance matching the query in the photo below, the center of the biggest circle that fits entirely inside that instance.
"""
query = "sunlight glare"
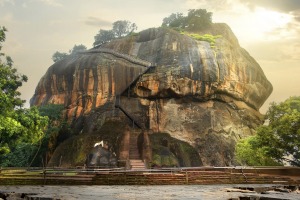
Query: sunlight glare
(268, 21)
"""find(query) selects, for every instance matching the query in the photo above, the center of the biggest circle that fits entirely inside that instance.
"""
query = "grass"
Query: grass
(211, 39)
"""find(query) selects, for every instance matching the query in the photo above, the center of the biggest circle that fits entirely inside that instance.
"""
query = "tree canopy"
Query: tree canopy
(121, 28)
(57, 56)
(196, 20)
(103, 36)
(279, 139)
(19, 127)
(77, 49)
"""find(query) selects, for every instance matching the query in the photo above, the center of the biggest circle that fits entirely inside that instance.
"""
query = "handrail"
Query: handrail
(129, 116)
(120, 55)
(132, 82)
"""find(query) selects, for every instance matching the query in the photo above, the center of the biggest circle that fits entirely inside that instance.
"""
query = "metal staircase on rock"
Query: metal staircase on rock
(127, 57)
(136, 162)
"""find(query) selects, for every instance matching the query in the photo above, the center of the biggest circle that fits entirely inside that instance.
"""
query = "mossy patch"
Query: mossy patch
(73, 151)
(211, 39)
(170, 152)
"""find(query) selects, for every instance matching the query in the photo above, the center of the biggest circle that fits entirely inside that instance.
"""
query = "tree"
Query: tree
(249, 153)
(57, 56)
(175, 20)
(280, 138)
(196, 20)
(49, 142)
(77, 49)
(122, 28)
(103, 36)
(18, 126)
(21, 137)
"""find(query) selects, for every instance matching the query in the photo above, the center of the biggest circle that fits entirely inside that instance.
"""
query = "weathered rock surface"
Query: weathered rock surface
(206, 96)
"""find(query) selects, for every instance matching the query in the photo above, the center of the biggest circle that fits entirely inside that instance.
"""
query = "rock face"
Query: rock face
(206, 97)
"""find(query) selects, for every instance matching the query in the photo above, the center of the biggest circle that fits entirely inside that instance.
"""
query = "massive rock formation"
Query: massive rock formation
(192, 100)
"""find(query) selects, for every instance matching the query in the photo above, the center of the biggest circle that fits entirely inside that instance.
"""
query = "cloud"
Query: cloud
(51, 3)
(275, 51)
(279, 5)
(291, 7)
(296, 15)
(292, 51)
(2, 2)
(210, 5)
(94, 21)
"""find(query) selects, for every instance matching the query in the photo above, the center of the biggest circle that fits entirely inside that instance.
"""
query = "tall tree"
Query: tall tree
(280, 138)
(18, 126)
(57, 56)
(77, 48)
(196, 20)
(175, 20)
(122, 28)
(103, 36)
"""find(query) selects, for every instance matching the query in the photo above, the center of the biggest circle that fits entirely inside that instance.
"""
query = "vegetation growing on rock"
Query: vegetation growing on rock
(57, 56)
(211, 39)
(110, 132)
(170, 152)
(196, 20)
(121, 28)
(194, 93)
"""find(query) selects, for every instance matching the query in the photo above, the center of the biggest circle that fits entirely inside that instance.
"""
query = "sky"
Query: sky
(268, 29)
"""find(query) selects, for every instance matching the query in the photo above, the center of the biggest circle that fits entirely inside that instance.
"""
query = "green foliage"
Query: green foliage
(121, 28)
(25, 127)
(10, 81)
(196, 20)
(162, 157)
(56, 125)
(19, 127)
(57, 56)
(170, 152)
(2, 36)
(280, 139)
(77, 49)
(52, 111)
(175, 20)
(103, 36)
(21, 156)
(248, 153)
(211, 39)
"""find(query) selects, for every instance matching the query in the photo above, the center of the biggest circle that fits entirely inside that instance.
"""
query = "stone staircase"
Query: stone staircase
(136, 162)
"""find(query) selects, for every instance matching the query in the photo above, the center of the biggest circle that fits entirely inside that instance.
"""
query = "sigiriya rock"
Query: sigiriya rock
(158, 96)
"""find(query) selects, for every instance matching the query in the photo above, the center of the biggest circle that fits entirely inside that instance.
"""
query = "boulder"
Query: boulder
(205, 95)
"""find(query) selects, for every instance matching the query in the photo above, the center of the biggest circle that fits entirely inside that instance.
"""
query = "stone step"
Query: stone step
(134, 157)
(133, 149)
(137, 164)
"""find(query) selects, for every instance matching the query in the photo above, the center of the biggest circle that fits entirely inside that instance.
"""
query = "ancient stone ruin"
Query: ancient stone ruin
(158, 99)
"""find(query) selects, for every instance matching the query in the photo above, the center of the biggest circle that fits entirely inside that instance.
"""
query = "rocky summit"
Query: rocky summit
(158, 97)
